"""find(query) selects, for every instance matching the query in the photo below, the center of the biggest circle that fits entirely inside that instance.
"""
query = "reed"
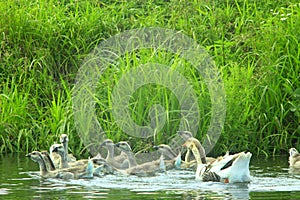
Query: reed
(254, 44)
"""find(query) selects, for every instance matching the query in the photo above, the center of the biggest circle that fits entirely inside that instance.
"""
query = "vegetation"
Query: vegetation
(255, 45)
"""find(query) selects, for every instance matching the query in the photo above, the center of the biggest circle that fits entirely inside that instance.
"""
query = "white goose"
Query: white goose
(229, 169)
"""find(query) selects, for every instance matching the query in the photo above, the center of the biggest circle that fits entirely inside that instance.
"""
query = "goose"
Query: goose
(229, 169)
(120, 161)
(64, 141)
(294, 158)
(189, 160)
(69, 173)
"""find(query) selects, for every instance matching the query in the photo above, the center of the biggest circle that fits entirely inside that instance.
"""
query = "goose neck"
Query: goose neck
(42, 165)
(131, 158)
(64, 162)
(110, 152)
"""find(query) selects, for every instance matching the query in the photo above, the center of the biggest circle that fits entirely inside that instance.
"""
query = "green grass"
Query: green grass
(255, 45)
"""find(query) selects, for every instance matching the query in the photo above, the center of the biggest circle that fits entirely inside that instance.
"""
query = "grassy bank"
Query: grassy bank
(254, 44)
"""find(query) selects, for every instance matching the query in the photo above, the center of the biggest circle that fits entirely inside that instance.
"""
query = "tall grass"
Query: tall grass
(254, 44)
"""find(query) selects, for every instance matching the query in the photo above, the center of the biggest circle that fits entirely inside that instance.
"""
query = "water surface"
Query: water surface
(271, 179)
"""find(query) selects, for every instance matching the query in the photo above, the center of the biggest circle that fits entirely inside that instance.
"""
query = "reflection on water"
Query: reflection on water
(271, 179)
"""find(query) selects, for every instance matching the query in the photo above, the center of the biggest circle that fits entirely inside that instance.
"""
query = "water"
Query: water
(271, 179)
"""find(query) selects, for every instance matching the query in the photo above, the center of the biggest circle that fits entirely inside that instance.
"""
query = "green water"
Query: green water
(271, 179)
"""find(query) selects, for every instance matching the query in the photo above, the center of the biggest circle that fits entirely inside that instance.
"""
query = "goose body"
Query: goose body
(147, 168)
(294, 158)
(229, 168)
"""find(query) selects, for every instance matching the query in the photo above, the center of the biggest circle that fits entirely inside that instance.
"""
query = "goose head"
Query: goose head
(185, 134)
(35, 156)
(107, 143)
(64, 138)
(294, 158)
(124, 146)
(293, 152)
(59, 149)
(166, 151)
